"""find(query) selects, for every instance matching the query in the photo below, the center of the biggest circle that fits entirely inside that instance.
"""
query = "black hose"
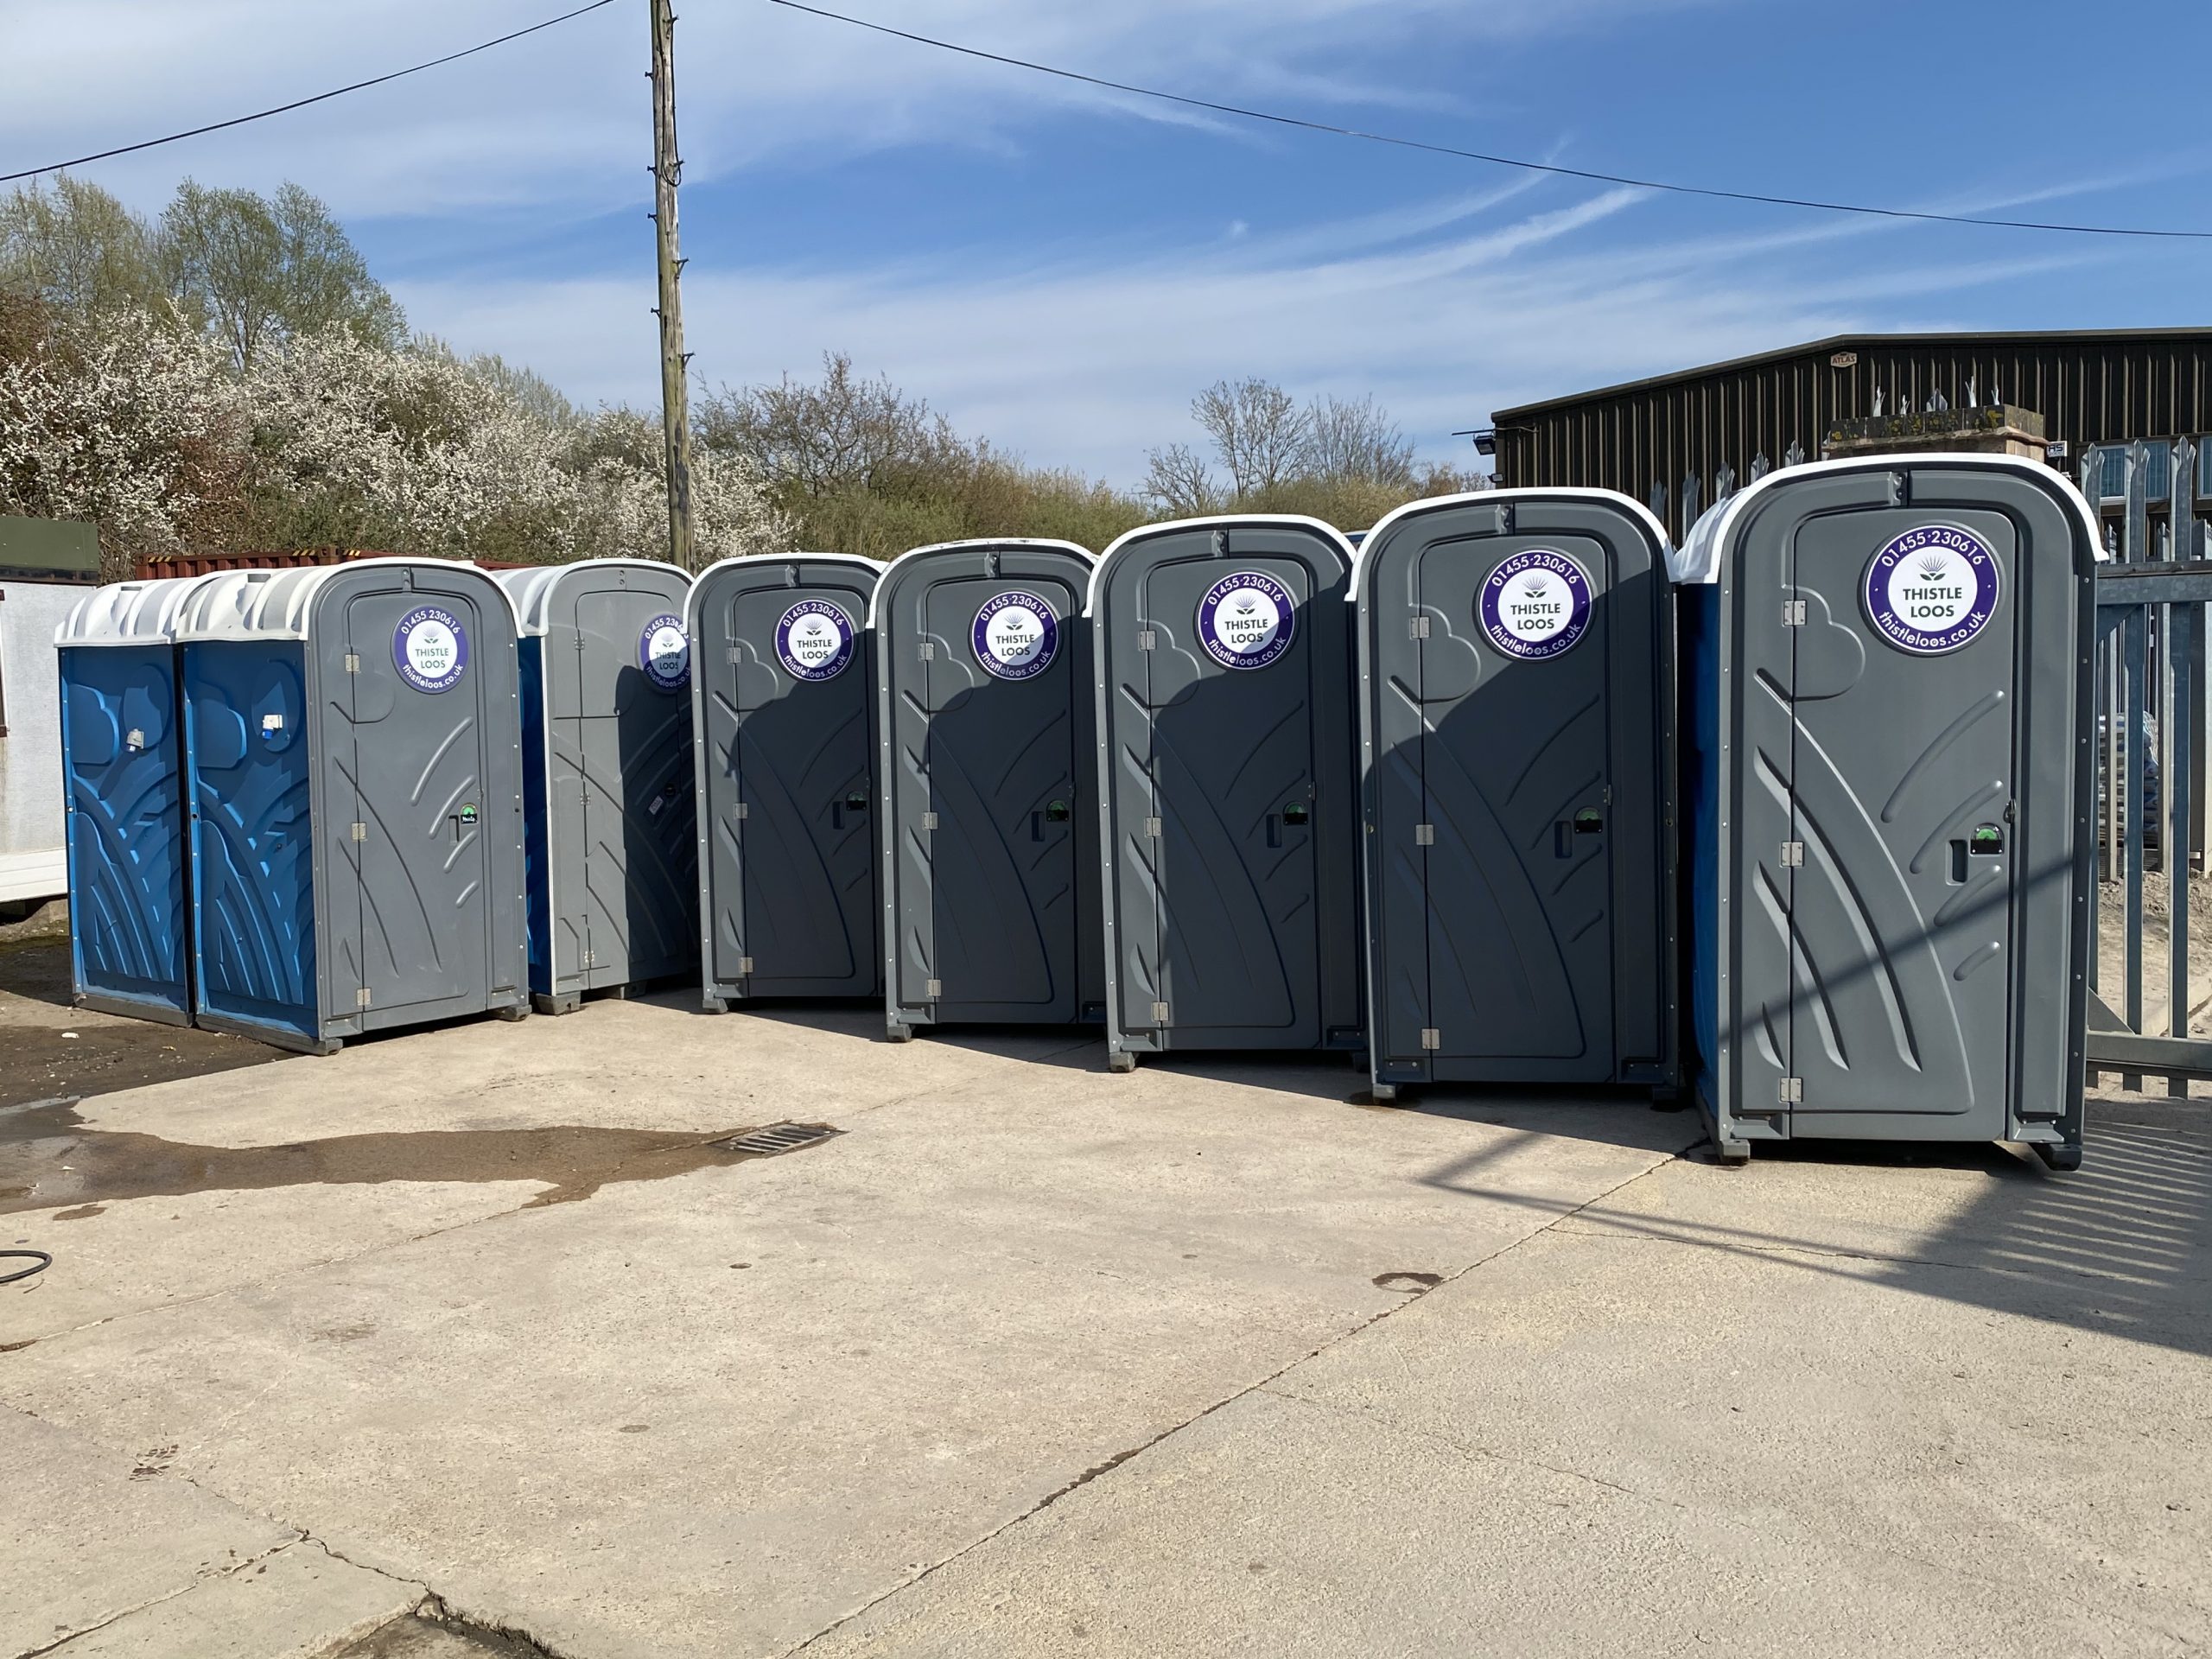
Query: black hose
(42, 1258)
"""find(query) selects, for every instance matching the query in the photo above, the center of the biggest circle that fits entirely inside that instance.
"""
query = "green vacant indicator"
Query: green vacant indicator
(468, 814)
(1988, 838)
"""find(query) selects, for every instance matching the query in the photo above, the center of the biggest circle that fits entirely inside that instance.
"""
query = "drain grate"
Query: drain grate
(778, 1138)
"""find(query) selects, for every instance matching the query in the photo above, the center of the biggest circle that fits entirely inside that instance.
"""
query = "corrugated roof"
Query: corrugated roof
(1834, 343)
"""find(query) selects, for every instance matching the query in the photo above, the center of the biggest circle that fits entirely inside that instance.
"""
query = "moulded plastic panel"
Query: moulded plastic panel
(252, 834)
(607, 748)
(991, 864)
(1517, 680)
(1230, 785)
(785, 742)
(122, 760)
(1912, 968)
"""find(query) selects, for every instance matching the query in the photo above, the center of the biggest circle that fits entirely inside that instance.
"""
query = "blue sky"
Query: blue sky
(1059, 268)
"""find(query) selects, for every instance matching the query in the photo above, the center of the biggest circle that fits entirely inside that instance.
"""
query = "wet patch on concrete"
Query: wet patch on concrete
(48, 1047)
(49, 1157)
(1416, 1282)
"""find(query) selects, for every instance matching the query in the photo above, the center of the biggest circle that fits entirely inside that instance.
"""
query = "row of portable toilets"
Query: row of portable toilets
(1233, 786)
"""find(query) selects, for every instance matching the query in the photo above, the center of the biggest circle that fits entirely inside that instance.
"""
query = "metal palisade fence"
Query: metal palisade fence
(2149, 975)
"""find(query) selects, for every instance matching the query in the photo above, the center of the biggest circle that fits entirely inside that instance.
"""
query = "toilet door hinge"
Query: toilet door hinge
(744, 965)
(1424, 835)
(1159, 1013)
(932, 987)
(1789, 1091)
(928, 650)
(929, 820)
(743, 811)
(353, 662)
(1793, 613)
(1793, 854)
(360, 832)
(1431, 1038)
(1417, 628)
(1147, 640)
(1152, 829)
(361, 997)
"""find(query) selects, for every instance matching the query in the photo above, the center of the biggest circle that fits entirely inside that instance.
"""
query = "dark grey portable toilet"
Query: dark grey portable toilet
(1516, 664)
(607, 775)
(783, 737)
(1228, 787)
(990, 839)
(124, 783)
(1891, 802)
(353, 744)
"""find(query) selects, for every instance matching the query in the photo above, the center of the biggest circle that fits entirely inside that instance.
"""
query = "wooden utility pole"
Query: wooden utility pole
(675, 395)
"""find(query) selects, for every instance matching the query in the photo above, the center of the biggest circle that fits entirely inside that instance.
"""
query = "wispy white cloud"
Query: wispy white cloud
(1078, 361)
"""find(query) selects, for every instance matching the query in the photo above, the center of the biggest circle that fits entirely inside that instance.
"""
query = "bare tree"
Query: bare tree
(1355, 440)
(1179, 480)
(815, 439)
(1258, 432)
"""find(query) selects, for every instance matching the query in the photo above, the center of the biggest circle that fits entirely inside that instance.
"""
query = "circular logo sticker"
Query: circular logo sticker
(664, 652)
(1535, 605)
(430, 648)
(1016, 635)
(815, 639)
(1931, 589)
(1246, 619)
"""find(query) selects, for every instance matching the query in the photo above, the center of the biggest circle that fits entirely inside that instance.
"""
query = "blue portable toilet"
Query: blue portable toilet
(352, 753)
(607, 784)
(123, 769)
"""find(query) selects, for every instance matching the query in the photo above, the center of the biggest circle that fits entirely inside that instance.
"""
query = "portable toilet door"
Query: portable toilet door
(353, 748)
(610, 830)
(1516, 669)
(783, 737)
(989, 844)
(1893, 802)
(1229, 787)
(123, 768)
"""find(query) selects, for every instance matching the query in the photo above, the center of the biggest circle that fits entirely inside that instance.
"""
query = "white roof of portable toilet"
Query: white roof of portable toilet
(1698, 559)
(277, 604)
(128, 612)
(530, 591)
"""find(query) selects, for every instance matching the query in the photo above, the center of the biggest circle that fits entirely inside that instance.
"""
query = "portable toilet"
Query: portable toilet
(783, 740)
(1517, 666)
(1228, 787)
(609, 824)
(989, 844)
(352, 751)
(1891, 802)
(123, 766)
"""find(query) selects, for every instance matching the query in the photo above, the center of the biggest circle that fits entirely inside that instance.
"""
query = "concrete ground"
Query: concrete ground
(471, 1341)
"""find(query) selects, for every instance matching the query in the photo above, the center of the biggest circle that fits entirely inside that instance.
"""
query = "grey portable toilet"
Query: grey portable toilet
(784, 723)
(1516, 665)
(1891, 800)
(990, 841)
(352, 747)
(123, 770)
(1228, 787)
(608, 779)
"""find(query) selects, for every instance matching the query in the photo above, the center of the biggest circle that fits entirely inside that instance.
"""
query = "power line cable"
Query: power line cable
(1479, 156)
(301, 102)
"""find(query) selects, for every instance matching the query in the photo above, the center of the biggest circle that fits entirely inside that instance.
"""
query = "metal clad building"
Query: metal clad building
(1681, 432)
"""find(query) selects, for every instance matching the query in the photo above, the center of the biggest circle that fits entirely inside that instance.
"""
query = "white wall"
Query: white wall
(32, 864)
